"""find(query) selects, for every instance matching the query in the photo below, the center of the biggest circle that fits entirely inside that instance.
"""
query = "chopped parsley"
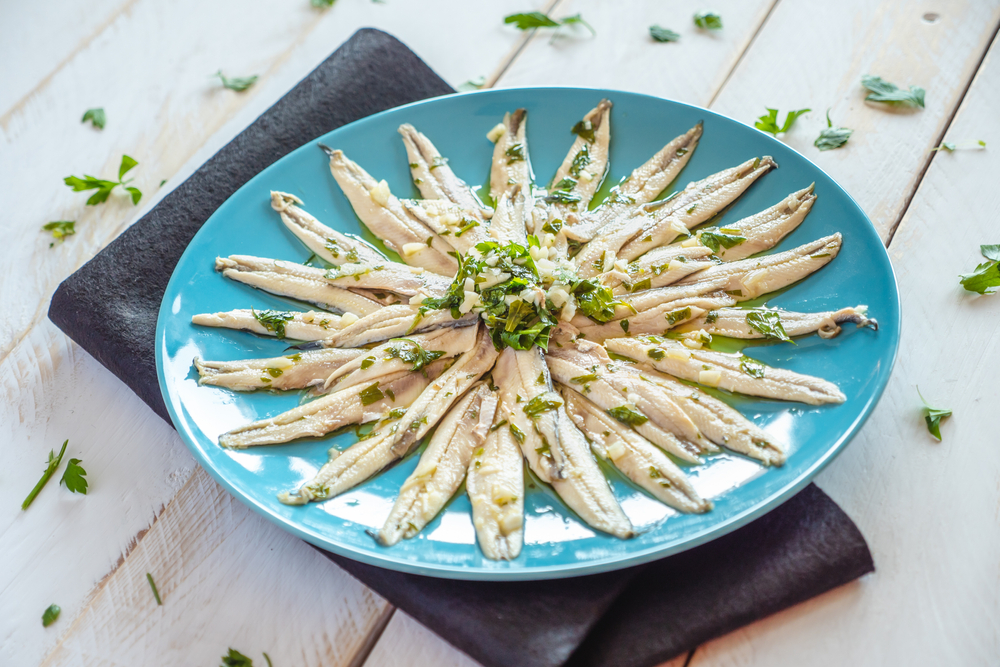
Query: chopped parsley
(562, 197)
(627, 415)
(97, 117)
(273, 320)
(411, 352)
(553, 226)
(60, 229)
(104, 187)
(624, 325)
(933, 417)
(239, 83)
(585, 130)
(50, 615)
(679, 315)
(768, 323)
(580, 161)
(567, 183)
(516, 432)
(751, 367)
(50, 468)
(531, 20)
(715, 239)
(881, 90)
(152, 584)
(492, 428)
(583, 379)
(661, 34)
(708, 20)
(541, 403)
(371, 394)
(472, 84)
(515, 153)
(985, 279)
(769, 122)
(832, 137)
(367, 363)
(234, 658)
(655, 353)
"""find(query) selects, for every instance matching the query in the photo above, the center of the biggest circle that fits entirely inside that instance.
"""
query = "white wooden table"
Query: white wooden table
(228, 578)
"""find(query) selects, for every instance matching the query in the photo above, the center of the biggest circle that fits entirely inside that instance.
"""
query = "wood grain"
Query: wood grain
(929, 510)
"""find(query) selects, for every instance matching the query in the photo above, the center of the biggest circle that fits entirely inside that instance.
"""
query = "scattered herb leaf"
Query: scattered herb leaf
(832, 137)
(714, 240)
(371, 394)
(96, 117)
(241, 83)
(627, 415)
(236, 659)
(50, 615)
(152, 584)
(768, 323)
(273, 320)
(60, 229)
(751, 367)
(74, 477)
(472, 84)
(986, 277)
(708, 20)
(410, 352)
(529, 20)
(661, 34)
(933, 417)
(541, 403)
(885, 91)
(50, 468)
(585, 130)
(104, 187)
(950, 147)
(769, 122)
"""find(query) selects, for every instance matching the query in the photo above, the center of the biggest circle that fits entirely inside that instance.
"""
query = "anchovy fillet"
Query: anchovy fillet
(732, 322)
(293, 371)
(326, 242)
(388, 276)
(461, 228)
(495, 484)
(582, 170)
(511, 164)
(310, 326)
(392, 322)
(431, 173)
(765, 230)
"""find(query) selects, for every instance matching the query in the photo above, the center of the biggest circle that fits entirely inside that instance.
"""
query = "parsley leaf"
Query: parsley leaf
(472, 84)
(708, 20)
(769, 123)
(371, 394)
(933, 417)
(50, 468)
(322, 3)
(236, 659)
(273, 320)
(890, 93)
(832, 137)
(105, 187)
(73, 477)
(719, 239)
(60, 229)
(542, 403)
(411, 352)
(991, 252)
(50, 615)
(96, 117)
(627, 415)
(661, 34)
(768, 322)
(152, 584)
(951, 147)
(986, 278)
(241, 83)
(531, 20)
(751, 367)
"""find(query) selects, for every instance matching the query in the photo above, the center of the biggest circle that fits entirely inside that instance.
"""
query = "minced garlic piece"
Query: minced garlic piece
(616, 451)
(674, 353)
(412, 248)
(380, 193)
(347, 319)
(498, 131)
(710, 378)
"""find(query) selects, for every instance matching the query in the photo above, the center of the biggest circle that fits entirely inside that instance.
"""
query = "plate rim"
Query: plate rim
(537, 572)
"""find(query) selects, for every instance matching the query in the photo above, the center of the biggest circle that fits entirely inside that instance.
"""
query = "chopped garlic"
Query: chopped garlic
(674, 353)
(470, 302)
(498, 131)
(380, 193)
(282, 363)
(558, 295)
(691, 343)
(679, 227)
(417, 299)
(586, 175)
(621, 265)
(689, 243)
(710, 378)
(609, 261)
(347, 319)
(470, 285)
(616, 451)
(569, 310)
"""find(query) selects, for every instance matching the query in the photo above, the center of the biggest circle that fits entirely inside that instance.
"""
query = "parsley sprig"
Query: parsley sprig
(832, 137)
(104, 187)
(661, 34)
(60, 229)
(50, 468)
(881, 90)
(986, 277)
(532, 20)
(769, 122)
(239, 83)
(708, 20)
(933, 416)
(97, 117)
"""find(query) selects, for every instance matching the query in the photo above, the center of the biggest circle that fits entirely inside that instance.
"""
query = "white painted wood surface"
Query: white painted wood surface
(934, 597)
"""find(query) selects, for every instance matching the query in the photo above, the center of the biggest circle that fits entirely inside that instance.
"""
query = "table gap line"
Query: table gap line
(365, 650)
(512, 55)
(750, 43)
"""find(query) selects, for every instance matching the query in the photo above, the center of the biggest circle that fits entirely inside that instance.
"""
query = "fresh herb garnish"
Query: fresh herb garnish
(541, 403)
(627, 415)
(241, 83)
(529, 20)
(60, 229)
(273, 320)
(679, 315)
(768, 323)
(769, 123)
(234, 658)
(885, 91)
(708, 20)
(950, 147)
(585, 130)
(751, 367)
(595, 301)
(661, 34)
(562, 197)
(492, 428)
(152, 584)
(515, 153)
(567, 183)
(553, 226)
(50, 615)
(472, 84)
(933, 417)
(580, 160)
(583, 379)
(50, 468)
(105, 187)
(367, 363)
(74, 477)
(832, 137)
(516, 432)
(986, 277)
(624, 325)
(714, 240)
(655, 353)
(411, 352)
(371, 394)
(96, 117)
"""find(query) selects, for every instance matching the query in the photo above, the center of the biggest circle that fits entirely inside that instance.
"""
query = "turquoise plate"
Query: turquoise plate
(556, 544)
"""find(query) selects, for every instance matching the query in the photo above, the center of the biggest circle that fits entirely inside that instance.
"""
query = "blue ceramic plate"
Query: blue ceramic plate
(556, 544)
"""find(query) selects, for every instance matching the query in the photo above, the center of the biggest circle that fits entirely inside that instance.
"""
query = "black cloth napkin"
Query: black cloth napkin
(634, 617)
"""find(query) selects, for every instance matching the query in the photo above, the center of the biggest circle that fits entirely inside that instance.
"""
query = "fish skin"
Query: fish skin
(626, 283)
(655, 320)
(388, 277)
(363, 459)
(296, 281)
(505, 173)
(753, 277)
(698, 203)
(644, 184)
(392, 322)
(766, 229)
(719, 422)
(390, 221)
(322, 240)
(508, 224)
(432, 175)
(635, 457)
(687, 364)
(637, 303)
(585, 188)
(495, 485)
(732, 322)
(311, 368)
(309, 326)
(442, 467)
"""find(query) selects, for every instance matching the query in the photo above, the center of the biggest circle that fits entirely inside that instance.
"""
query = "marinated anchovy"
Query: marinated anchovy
(495, 484)
(508, 221)
(392, 322)
(391, 442)
(637, 303)
(389, 220)
(327, 243)
(511, 163)
(732, 372)
(291, 371)
(388, 277)
(732, 322)
(582, 170)
(762, 231)
(657, 319)
(462, 228)
(309, 325)
(637, 458)
(442, 466)
(296, 281)
(750, 278)
(432, 175)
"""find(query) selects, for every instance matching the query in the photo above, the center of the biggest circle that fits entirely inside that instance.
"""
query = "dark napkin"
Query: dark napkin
(634, 617)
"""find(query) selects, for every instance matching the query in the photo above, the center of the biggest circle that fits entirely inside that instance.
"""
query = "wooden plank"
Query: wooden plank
(813, 55)
(623, 56)
(928, 510)
(286, 599)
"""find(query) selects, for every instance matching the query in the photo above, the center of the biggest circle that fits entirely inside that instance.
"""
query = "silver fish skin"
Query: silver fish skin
(732, 322)
(585, 165)
(388, 276)
(390, 443)
(726, 371)
(387, 357)
(442, 466)
(753, 277)
(386, 217)
(461, 228)
(643, 186)
(659, 275)
(326, 242)
(766, 229)
(296, 281)
(392, 322)
(511, 163)
(291, 371)
(330, 412)
(719, 422)
(574, 370)
(637, 458)
(432, 175)
(508, 224)
(495, 485)
(309, 326)
(697, 203)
